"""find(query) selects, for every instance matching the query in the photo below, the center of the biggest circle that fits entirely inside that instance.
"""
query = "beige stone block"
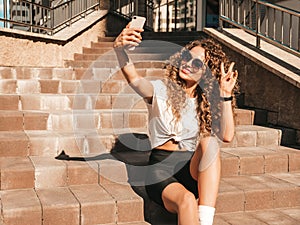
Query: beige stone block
(112, 86)
(8, 86)
(112, 120)
(243, 117)
(13, 144)
(59, 204)
(126, 198)
(102, 102)
(16, 173)
(268, 137)
(112, 171)
(70, 87)
(35, 121)
(11, 121)
(230, 198)
(229, 164)
(9, 102)
(63, 73)
(97, 206)
(28, 86)
(251, 165)
(245, 138)
(43, 143)
(82, 172)
(81, 101)
(21, 207)
(136, 120)
(49, 172)
(275, 163)
(6, 73)
(49, 86)
(259, 199)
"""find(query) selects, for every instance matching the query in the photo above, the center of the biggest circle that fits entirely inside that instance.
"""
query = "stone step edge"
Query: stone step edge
(284, 215)
(121, 167)
(73, 203)
(236, 194)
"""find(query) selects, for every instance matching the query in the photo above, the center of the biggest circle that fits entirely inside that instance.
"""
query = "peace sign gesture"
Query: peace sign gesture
(227, 80)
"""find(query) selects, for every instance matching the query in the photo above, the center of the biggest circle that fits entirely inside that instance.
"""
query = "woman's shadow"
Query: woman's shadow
(133, 149)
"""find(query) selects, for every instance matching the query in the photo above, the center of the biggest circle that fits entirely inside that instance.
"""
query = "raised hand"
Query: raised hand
(228, 80)
(128, 37)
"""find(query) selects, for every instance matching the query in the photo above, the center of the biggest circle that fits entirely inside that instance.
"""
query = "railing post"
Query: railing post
(220, 14)
(257, 25)
(201, 14)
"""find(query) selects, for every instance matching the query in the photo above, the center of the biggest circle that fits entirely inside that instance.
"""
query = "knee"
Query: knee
(187, 200)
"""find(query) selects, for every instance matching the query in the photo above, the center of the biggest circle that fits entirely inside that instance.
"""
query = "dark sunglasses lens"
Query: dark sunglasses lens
(197, 63)
(186, 55)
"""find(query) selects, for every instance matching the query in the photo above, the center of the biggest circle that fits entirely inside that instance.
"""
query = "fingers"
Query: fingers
(222, 70)
(129, 36)
(230, 67)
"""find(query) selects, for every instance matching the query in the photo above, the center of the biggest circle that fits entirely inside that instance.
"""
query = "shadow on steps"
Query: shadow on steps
(133, 149)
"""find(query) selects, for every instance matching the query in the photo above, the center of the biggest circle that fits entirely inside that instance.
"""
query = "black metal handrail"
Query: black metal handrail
(29, 16)
(275, 24)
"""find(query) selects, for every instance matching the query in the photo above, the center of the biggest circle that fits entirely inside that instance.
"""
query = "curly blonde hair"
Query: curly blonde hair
(207, 91)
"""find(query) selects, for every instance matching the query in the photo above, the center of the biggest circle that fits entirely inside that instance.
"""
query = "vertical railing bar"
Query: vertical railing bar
(220, 14)
(238, 12)
(267, 22)
(274, 24)
(30, 15)
(290, 31)
(175, 27)
(281, 27)
(244, 14)
(298, 34)
(5, 13)
(257, 18)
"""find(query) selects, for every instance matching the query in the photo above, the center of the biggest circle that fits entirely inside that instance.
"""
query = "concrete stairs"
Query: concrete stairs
(88, 111)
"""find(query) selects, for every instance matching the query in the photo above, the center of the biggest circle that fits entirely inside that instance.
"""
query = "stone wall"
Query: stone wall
(275, 101)
(38, 51)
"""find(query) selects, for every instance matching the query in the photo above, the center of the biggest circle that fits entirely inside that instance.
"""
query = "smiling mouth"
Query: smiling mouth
(186, 71)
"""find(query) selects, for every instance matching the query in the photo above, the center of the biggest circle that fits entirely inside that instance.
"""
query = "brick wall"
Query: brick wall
(276, 102)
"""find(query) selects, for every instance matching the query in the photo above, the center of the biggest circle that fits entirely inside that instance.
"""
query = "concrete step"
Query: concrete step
(112, 64)
(286, 216)
(10, 76)
(81, 204)
(238, 195)
(246, 200)
(124, 165)
(109, 57)
(104, 126)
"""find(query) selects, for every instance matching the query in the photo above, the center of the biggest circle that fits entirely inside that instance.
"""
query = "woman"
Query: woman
(187, 110)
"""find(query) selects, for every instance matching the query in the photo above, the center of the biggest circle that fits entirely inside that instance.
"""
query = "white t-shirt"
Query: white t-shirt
(162, 126)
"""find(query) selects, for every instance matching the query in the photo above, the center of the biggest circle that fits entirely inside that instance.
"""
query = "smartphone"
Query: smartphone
(136, 22)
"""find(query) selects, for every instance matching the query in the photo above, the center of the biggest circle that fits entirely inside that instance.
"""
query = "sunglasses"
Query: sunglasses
(195, 65)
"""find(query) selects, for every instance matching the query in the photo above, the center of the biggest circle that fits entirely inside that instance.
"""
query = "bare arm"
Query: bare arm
(227, 83)
(132, 36)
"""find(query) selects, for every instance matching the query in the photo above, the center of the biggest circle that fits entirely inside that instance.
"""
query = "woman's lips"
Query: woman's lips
(186, 71)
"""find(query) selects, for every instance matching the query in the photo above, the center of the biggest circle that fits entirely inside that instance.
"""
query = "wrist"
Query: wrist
(226, 99)
(225, 94)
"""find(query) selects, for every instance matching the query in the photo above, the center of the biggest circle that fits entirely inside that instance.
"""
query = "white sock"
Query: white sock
(206, 215)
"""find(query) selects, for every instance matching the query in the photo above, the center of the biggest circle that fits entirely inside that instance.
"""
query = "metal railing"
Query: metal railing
(162, 15)
(275, 24)
(35, 17)
(129, 8)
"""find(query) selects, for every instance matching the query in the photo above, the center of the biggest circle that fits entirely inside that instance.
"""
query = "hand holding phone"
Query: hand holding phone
(136, 22)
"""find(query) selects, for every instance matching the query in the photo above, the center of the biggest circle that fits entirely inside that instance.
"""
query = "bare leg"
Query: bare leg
(207, 173)
(177, 199)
